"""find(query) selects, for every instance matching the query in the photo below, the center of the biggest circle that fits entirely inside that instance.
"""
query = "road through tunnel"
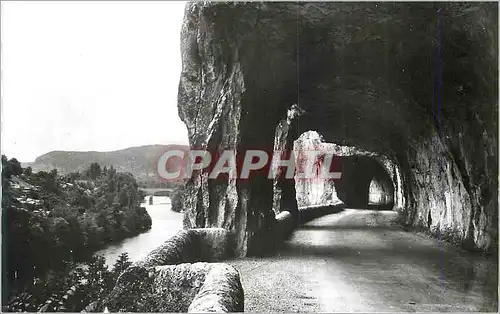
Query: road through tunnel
(364, 182)
(413, 83)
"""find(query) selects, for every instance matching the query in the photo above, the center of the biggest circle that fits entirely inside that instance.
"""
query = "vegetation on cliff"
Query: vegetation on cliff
(51, 220)
(177, 196)
(72, 288)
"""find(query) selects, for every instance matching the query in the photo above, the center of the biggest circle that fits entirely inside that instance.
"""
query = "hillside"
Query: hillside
(50, 221)
(139, 161)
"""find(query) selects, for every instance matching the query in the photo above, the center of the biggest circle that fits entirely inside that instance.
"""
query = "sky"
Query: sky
(89, 75)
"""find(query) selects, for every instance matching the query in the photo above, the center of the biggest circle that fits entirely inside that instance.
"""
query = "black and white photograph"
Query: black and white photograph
(249, 156)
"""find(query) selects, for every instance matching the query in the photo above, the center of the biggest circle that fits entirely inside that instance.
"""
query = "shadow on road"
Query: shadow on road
(380, 207)
(310, 213)
(373, 248)
(346, 227)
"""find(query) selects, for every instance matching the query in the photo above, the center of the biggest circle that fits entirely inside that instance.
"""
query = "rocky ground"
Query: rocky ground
(360, 260)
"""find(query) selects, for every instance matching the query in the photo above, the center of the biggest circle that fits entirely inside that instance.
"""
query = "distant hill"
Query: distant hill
(140, 161)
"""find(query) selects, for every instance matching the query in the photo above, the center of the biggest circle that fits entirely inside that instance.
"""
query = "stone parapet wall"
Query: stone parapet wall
(177, 277)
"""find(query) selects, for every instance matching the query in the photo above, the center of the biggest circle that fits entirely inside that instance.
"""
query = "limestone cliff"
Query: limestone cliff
(413, 82)
(317, 191)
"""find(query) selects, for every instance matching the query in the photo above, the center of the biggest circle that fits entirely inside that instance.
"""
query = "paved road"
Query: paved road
(359, 260)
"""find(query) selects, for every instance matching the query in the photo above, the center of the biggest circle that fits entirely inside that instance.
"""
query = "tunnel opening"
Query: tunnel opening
(368, 180)
(364, 181)
(375, 88)
(365, 184)
(380, 193)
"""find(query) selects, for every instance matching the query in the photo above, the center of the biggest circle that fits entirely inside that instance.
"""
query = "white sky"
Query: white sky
(89, 75)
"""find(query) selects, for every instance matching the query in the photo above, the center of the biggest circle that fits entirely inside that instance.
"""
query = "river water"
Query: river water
(165, 223)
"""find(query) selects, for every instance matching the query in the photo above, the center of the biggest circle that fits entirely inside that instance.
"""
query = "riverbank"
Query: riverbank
(75, 286)
(165, 223)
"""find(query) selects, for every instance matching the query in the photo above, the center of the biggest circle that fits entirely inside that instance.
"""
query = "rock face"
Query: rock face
(198, 287)
(363, 175)
(284, 190)
(317, 191)
(415, 83)
(380, 192)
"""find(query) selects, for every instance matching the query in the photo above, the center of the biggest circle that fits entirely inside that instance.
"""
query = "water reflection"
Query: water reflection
(165, 224)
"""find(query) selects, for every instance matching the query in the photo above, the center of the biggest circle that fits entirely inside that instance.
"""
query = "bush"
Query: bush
(70, 289)
(177, 198)
(66, 219)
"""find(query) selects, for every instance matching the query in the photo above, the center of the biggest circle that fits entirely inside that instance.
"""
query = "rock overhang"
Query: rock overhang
(414, 82)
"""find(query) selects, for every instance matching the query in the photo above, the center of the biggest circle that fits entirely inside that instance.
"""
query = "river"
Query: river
(165, 223)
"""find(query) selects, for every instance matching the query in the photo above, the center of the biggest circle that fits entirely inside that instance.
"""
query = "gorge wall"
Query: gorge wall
(415, 83)
(367, 171)
(313, 192)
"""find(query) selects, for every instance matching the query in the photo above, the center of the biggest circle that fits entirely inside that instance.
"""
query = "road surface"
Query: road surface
(361, 261)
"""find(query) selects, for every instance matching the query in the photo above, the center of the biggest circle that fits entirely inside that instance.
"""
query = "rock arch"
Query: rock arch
(414, 82)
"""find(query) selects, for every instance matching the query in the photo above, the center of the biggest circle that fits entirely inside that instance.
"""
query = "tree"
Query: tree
(49, 181)
(178, 198)
(94, 171)
(53, 173)
(99, 278)
(111, 171)
(75, 220)
(16, 166)
(123, 197)
(72, 177)
(122, 263)
(28, 171)
(10, 167)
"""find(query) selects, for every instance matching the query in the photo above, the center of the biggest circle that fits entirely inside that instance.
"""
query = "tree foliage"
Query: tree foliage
(177, 198)
(51, 220)
(71, 288)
